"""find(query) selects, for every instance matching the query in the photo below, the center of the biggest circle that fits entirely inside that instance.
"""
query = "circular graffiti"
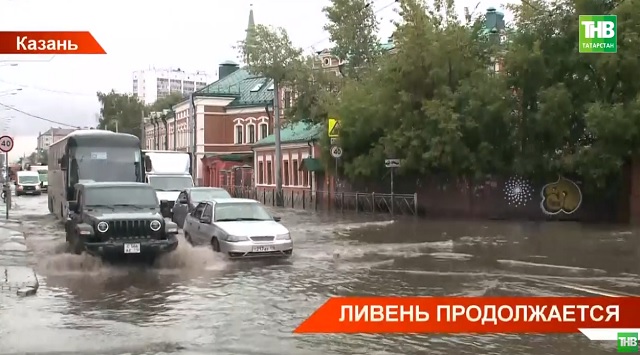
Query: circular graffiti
(517, 191)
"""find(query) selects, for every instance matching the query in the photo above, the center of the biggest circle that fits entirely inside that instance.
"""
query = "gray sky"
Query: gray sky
(191, 35)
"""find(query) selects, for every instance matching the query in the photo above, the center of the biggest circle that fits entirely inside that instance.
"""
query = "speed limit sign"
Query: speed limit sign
(6, 144)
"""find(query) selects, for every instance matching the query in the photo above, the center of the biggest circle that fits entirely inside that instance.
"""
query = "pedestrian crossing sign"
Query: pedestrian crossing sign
(333, 128)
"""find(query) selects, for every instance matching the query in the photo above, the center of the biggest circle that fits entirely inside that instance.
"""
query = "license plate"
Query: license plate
(132, 248)
(263, 248)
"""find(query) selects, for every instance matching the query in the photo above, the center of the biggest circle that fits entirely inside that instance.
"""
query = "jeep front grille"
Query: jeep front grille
(130, 229)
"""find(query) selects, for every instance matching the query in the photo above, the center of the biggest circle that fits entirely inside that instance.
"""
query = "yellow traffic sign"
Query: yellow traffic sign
(334, 128)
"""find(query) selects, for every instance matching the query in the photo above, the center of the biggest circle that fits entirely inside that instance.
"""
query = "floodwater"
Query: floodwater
(197, 302)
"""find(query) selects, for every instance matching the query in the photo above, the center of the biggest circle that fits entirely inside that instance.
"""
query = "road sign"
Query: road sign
(6, 144)
(392, 163)
(336, 151)
(334, 128)
(334, 141)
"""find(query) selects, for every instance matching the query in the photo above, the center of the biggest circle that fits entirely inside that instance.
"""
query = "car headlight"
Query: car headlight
(155, 225)
(285, 236)
(102, 227)
(237, 238)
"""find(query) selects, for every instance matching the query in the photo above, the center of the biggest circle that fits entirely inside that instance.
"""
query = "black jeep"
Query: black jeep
(112, 219)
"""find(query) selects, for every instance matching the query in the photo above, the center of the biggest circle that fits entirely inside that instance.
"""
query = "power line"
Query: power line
(37, 117)
(46, 89)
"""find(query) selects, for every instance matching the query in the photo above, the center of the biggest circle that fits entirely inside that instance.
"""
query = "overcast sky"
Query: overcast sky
(191, 35)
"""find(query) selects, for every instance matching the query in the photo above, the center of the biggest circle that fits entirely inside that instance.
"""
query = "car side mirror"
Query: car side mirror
(206, 220)
(73, 206)
(277, 219)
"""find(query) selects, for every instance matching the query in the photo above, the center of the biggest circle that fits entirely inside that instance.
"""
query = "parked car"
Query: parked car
(189, 198)
(239, 228)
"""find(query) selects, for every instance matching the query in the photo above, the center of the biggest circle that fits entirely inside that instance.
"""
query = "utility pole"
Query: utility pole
(143, 142)
(276, 132)
(194, 140)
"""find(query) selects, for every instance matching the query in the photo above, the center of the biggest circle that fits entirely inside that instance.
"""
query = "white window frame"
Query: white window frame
(235, 133)
(248, 133)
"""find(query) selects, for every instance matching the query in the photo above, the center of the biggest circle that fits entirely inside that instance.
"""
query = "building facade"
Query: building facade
(152, 84)
(51, 136)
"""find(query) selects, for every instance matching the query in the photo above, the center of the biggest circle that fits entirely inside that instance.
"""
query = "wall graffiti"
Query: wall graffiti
(517, 191)
(563, 195)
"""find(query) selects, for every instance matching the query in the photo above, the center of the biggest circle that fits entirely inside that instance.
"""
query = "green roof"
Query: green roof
(298, 132)
(246, 88)
(311, 164)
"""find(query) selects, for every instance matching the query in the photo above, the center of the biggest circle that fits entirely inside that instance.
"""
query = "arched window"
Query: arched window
(263, 129)
(251, 133)
(239, 130)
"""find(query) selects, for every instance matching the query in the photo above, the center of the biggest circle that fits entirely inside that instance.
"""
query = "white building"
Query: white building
(51, 136)
(152, 84)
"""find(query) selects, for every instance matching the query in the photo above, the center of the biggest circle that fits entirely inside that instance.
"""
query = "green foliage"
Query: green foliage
(167, 102)
(353, 28)
(125, 109)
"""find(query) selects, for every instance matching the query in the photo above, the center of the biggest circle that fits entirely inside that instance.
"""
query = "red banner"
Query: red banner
(57, 42)
(472, 314)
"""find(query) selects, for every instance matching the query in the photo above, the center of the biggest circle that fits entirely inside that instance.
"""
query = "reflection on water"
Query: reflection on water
(197, 302)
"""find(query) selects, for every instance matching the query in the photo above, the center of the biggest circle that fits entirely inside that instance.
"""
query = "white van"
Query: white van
(28, 183)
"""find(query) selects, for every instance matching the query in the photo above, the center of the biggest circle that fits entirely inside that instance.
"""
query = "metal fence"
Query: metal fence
(401, 204)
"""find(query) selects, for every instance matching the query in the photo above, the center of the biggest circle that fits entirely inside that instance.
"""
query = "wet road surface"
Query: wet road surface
(196, 302)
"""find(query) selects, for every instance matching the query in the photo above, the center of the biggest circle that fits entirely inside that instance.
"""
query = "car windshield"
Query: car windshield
(208, 194)
(170, 183)
(238, 211)
(140, 196)
(105, 164)
(43, 175)
(28, 179)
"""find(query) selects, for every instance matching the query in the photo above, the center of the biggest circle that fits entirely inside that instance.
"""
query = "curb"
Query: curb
(16, 277)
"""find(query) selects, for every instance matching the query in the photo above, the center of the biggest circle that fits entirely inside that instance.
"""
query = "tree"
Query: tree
(352, 29)
(167, 102)
(432, 102)
(576, 113)
(125, 109)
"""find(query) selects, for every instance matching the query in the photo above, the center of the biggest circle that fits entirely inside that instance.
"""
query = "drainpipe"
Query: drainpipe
(194, 165)
(153, 122)
(166, 132)
(175, 129)
(310, 143)
(156, 133)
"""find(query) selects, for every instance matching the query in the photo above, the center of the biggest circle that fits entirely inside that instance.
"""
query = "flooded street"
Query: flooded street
(195, 302)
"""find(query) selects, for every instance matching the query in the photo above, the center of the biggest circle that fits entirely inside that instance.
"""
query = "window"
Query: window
(264, 130)
(285, 172)
(197, 212)
(251, 133)
(305, 178)
(287, 99)
(239, 133)
(256, 87)
(296, 173)
(269, 173)
(260, 173)
(207, 211)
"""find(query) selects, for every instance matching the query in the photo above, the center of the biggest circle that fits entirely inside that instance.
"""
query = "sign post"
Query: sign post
(6, 144)
(333, 131)
(392, 164)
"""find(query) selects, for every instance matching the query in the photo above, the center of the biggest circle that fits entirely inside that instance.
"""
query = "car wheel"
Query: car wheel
(215, 244)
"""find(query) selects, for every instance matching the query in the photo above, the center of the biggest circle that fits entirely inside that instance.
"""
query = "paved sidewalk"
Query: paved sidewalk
(16, 277)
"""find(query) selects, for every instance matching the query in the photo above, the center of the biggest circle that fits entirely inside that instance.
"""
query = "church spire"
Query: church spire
(249, 39)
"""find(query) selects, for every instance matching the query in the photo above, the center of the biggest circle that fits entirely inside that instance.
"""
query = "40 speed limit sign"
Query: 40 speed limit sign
(6, 144)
